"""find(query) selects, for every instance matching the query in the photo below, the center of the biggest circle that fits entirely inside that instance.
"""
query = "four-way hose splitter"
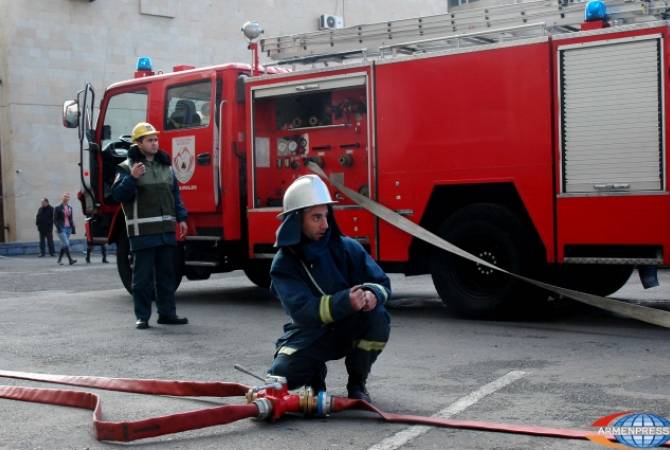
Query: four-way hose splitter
(269, 401)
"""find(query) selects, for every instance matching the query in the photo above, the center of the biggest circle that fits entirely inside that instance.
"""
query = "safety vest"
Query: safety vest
(153, 210)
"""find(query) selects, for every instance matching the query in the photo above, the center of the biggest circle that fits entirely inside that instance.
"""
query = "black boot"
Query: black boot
(60, 256)
(88, 255)
(104, 254)
(318, 381)
(72, 261)
(172, 320)
(358, 364)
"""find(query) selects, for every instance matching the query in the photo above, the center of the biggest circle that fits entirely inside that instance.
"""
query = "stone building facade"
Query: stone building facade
(50, 48)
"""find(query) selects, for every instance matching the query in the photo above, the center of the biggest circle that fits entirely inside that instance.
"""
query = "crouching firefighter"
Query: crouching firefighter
(332, 290)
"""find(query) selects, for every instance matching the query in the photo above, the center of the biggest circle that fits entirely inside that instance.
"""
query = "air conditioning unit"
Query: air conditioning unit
(328, 22)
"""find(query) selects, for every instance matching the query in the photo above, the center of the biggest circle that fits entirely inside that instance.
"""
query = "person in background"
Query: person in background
(64, 221)
(148, 190)
(89, 250)
(90, 221)
(45, 225)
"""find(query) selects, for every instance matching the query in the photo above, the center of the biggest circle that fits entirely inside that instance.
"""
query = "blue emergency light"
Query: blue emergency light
(595, 10)
(144, 64)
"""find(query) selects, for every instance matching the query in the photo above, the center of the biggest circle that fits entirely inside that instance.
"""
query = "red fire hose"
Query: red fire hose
(270, 401)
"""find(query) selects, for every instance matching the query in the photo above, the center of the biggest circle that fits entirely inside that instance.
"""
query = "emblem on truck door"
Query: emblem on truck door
(183, 157)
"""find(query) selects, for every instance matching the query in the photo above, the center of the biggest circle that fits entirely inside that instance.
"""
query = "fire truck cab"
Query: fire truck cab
(199, 115)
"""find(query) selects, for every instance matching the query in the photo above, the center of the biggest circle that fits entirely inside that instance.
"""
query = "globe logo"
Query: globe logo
(631, 429)
(642, 430)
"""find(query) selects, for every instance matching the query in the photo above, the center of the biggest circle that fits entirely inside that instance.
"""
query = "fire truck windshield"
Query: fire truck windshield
(123, 111)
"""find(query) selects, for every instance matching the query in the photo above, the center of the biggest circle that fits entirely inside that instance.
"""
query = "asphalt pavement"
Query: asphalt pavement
(564, 371)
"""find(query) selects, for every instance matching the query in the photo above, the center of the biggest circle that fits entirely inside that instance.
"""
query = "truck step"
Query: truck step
(201, 263)
(202, 238)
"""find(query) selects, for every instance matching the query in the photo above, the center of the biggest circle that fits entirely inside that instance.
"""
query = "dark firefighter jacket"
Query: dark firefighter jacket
(312, 280)
(151, 204)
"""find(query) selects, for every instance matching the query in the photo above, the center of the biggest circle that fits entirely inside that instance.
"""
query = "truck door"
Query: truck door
(121, 111)
(189, 137)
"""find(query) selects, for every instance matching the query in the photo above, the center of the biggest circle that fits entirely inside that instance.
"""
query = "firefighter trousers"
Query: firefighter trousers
(154, 279)
(359, 339)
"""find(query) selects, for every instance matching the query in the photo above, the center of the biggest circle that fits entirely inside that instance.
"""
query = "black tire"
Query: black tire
(195, 273)
(594, 279)
(258, 272)
(124, 263)
(493, 233)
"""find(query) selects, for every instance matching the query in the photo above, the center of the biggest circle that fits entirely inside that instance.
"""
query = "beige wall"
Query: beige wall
(4, 122)
(50, 48)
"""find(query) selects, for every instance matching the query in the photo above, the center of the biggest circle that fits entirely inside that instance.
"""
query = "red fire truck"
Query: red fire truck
(538, 146)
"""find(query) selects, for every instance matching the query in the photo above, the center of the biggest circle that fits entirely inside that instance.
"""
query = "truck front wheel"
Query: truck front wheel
(124, 261)
(258, 272)
(493, 233)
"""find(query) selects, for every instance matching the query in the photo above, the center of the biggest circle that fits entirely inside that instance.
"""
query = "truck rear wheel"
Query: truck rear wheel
(124, 263)
(493, 233)
(258, 272)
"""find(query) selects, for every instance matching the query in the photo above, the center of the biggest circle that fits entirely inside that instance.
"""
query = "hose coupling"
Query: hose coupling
(312, 404)
(264, 408)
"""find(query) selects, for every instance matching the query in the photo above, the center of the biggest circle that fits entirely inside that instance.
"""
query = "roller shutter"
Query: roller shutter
(611, 107)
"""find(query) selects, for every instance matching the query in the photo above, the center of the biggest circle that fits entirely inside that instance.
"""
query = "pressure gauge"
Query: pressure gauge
(282, 148)
(292, 147)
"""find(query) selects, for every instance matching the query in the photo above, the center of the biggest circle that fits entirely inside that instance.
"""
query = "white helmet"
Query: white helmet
(305, 192)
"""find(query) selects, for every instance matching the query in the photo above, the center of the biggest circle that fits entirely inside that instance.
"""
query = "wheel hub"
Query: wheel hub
(489, 256)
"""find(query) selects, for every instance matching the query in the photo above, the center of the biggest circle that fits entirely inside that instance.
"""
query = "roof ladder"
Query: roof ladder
(468, 26)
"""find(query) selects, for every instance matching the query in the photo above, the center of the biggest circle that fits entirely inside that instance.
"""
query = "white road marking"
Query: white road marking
(404, 436)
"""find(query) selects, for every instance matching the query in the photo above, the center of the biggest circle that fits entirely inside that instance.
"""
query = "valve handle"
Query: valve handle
(243, 369)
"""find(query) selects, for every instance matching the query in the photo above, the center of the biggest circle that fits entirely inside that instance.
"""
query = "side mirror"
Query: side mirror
(71, 114)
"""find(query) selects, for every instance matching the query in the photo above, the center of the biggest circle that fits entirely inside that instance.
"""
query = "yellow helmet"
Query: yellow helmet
(143, 129)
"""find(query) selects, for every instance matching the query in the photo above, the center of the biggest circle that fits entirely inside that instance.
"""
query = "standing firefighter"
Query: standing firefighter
(332, 290)
(148, 190)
